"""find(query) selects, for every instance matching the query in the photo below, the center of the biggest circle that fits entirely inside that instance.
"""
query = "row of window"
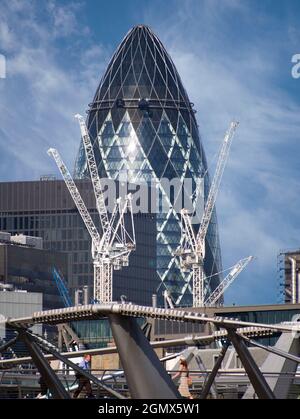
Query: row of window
(40, 222)
(163, 327)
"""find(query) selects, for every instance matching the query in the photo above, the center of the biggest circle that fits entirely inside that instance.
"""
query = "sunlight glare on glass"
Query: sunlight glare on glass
(132, 146)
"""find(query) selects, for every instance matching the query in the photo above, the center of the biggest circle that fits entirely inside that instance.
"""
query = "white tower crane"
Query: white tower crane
(192, 250)
(112, 249)
(168, 299)
(100, 202)
(221, 288)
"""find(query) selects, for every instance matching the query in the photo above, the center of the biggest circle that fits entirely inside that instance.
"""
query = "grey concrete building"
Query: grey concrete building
(289, 276)
(46, 209)
(26, 266)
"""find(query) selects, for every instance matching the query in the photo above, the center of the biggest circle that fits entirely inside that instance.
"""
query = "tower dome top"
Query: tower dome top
(141, 68)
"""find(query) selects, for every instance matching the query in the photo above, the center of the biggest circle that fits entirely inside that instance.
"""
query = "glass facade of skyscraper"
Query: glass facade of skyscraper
(143, 128)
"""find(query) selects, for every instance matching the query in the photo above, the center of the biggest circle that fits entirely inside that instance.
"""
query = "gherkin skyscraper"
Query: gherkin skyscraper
(143, 128)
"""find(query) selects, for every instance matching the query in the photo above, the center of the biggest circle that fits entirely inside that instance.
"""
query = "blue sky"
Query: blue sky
(235, 61)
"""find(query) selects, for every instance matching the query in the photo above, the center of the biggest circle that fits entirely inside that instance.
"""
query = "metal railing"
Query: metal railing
(20, 384)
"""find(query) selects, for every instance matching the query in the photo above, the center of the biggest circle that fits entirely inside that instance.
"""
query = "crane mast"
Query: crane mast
(221, 288)
(112, 250)
(115, 254)
(100, 202)
(80, 205)
(192, 249)
(214, 188)
(62, 288)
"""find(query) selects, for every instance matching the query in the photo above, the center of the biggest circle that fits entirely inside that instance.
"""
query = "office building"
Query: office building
(143, 129)
(46, 209)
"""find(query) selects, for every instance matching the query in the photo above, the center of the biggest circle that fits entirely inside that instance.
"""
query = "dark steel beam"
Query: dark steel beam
(212, 375)
(147, 329)
(273, 350)
(145, 375)
(9, 343)
(53, 383)
(96, 311)
(256, 378)
(75, 367)
(282, 369)
(186, 341)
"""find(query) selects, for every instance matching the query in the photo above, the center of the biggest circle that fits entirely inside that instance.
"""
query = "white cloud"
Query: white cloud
(64, 18)
(44, 89)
